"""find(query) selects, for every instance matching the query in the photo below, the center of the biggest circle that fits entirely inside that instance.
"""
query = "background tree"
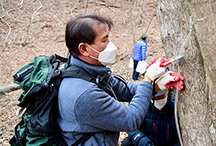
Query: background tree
(197, 103)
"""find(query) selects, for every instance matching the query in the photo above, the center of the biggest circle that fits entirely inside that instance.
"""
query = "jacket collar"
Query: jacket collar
(92, 69)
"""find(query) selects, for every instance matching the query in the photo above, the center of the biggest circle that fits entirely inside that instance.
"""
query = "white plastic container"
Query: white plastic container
(131, 63)
(141, 67)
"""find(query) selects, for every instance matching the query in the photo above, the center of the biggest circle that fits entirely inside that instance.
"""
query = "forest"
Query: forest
(30, 28)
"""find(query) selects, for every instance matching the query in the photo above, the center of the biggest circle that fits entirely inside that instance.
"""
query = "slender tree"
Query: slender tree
(134, 42)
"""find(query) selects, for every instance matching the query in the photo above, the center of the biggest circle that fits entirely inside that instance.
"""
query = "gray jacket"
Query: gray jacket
(84, 107)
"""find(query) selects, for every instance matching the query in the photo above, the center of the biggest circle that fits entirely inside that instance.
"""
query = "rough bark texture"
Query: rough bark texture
(197, 103)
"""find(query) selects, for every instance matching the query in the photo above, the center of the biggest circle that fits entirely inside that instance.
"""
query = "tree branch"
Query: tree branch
(32, 16)
(74, 7)
(86, 5)
(9, 88)
(104, 4)
(2, 5)
(5, 42)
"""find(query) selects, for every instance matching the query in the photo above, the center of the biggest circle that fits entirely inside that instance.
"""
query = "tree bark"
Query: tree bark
(197, 103)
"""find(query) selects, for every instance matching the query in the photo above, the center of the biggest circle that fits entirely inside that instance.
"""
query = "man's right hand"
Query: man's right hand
(155, 69)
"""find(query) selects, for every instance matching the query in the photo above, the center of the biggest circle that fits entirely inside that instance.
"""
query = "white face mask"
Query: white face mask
(107, 56)
(160, 103)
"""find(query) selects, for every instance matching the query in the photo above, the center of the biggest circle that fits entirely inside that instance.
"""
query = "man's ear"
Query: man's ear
(82, 49)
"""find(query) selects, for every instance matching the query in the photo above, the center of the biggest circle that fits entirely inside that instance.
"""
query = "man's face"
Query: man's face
(100, 42)
(146, 40)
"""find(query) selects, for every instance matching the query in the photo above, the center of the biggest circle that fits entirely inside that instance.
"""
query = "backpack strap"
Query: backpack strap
(77, 72)
(52, 115)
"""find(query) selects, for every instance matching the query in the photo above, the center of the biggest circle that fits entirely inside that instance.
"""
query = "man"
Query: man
(86, 107)
(139, 54)
(158, 127)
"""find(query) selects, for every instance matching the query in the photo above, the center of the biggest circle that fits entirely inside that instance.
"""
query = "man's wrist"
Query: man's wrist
(146, 78)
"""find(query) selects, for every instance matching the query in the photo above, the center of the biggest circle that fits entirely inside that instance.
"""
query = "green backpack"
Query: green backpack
(40, 81)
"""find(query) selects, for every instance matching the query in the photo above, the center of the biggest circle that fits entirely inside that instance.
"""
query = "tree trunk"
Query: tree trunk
(197, 103)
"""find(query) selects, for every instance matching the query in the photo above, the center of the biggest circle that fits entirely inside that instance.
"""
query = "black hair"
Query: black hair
(144, 37)
(80, 29)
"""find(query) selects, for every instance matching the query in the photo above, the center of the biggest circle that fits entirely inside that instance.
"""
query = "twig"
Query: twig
(148, 25)
(7, 13)
(10, 10)
(103, 4)
(32, 16)
(2, 5)
(142, 11)
(150, 21)
(13, 17)
(131, 23)
(112, 10)
(21, 4)
(8, 31)
(86, 5)
(74, 7)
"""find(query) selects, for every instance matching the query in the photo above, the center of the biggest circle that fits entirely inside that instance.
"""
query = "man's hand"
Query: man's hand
(156, 68)
(169, 80)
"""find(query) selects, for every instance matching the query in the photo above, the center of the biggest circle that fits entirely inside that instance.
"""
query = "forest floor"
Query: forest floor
(30, 28)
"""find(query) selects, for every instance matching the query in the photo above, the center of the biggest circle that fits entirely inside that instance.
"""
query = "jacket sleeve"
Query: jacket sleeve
(144, 49)
(122, 90)
(95, 108)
